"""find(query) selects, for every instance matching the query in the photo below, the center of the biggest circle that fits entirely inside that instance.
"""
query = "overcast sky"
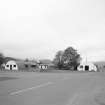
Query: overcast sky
(39, 28)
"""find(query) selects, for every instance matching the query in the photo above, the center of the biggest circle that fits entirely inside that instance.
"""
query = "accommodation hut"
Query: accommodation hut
(87, 66)
(45, 64)
(11, 65)
(30, 65)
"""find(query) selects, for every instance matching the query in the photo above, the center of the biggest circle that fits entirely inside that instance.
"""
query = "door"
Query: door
(10, 67)
(86, 68)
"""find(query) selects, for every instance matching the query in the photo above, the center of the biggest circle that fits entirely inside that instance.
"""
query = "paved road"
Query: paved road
(52, 88)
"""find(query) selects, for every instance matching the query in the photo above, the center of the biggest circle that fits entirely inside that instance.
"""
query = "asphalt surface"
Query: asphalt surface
(23, 88)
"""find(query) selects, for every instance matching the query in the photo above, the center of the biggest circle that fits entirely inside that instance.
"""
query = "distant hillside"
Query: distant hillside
(11, 58)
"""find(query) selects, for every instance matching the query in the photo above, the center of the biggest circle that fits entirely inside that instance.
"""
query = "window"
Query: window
(33, 66)
(7, 65)
(14, 65)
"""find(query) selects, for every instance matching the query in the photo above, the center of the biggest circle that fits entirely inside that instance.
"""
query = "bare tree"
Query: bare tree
(58, 59)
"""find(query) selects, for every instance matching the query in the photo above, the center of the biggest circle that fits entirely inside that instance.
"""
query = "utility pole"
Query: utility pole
(86, 58)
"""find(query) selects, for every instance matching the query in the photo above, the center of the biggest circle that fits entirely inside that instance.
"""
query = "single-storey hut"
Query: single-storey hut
(87, 66)
(11, 65)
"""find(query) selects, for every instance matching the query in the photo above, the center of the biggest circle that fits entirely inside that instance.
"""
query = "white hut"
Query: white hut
(87, 66)
(11, 65)
(43, 66)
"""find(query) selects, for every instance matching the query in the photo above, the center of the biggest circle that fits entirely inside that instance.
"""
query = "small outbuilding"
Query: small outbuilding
(87, 66)
(43, 66)
(11, 65)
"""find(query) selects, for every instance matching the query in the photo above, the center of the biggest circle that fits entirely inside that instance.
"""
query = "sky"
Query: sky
(39, 28)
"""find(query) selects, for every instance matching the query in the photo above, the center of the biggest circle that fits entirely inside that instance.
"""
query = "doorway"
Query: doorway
(10, 67)
(86, 68)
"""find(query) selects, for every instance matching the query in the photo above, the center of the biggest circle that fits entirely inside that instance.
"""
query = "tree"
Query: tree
(1, 58)
(70, 58)
(58, 59)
